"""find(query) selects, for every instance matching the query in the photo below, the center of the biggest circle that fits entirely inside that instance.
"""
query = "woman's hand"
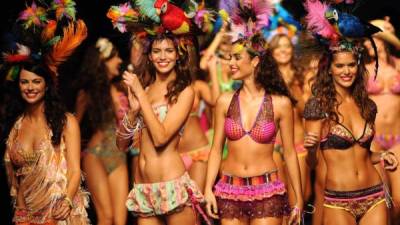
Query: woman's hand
(133, 83)
(295, 215)
(390, 160)
(134, 105)
(211, 204)
(310, 140)
(62, 209)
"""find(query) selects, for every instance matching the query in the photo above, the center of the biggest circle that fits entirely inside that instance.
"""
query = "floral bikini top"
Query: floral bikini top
(161, 111)
(263, 130)
(339, 137)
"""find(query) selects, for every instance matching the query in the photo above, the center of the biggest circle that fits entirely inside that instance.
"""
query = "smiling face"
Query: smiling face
(32, 87)
(163, 55)
(283, 50)
(242, 65)
(343, 69)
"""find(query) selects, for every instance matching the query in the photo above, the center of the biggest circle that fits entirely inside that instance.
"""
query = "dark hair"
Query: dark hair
(54, 109)
(183, 77)
(269, 76)
(94, 81)
(325, 91)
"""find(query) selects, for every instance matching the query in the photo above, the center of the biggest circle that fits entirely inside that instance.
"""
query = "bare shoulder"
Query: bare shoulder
(281, 102)
(71, 122)
(188, 92)
(224, 100)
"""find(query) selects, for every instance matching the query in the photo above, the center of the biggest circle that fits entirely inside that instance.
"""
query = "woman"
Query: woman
(250, 139)
(158, 114)
(283, 53)
(105, 167)
(194, 145)
(384, 91)
(342, 126)
(43, 146)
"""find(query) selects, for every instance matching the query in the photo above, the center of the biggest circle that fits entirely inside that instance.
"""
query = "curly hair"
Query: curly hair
(183, 73)
(54, 109)
(269, 76)
(94, 81)
(324, 90)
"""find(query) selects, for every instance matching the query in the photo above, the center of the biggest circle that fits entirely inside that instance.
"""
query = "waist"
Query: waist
(267, 177)
(376, 189)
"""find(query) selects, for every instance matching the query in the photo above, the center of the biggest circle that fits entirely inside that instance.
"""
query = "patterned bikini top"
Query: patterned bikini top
(263, 130)
(376, 87)
(339, 137)
(161, 111)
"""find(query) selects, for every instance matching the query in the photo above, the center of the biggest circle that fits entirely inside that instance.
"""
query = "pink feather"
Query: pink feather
(263, 10)
(316, 21)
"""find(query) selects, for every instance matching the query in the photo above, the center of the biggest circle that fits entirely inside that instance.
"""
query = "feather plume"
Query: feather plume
(22, 54)
(316, 21)
(73, 35)
(64, 8)
(121, 15)
(48, 31)
(262, 10)
(230, 6)
(146, 7)
(33, 16)
(190, 7)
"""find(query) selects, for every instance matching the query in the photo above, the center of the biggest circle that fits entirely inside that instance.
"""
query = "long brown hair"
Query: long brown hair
(183, 76)
(324, 89)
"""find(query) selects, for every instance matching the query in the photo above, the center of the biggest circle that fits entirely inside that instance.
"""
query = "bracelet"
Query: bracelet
(69, 201)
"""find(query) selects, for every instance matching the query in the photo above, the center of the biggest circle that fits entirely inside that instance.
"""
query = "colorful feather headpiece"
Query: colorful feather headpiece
(338, 30)
(146, 19)
(249, 22)
(282, 22)
(39, 42)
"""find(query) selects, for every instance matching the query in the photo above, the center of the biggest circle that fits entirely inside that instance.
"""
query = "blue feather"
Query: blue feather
(350, 26)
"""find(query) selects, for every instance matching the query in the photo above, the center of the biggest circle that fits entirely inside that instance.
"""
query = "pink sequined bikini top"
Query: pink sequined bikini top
(263, 130)
(375, 87)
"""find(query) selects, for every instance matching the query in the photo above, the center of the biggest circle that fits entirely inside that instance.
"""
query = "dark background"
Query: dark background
(93, 13)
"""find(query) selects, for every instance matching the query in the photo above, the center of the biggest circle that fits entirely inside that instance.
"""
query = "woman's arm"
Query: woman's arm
(161, 132)
(73, 149)
(212, 48)
(205, 92)
(287, 134)
(129, 126)
(81, 105)
(215, 157)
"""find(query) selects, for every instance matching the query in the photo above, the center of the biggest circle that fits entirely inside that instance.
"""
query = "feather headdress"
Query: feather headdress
(337, 30)
(249, 21)
(39, 42)
(282, 22)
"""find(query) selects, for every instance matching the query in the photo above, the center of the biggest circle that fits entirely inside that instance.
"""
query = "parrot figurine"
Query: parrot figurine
(348, 25)
(172, 17)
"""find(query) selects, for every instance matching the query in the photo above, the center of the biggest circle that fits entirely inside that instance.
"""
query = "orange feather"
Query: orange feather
(73, 36)
(48, 31)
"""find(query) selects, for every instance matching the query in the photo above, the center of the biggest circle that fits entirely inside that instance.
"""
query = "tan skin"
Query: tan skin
(108, 191)
(387, 120)
(159, 160)
(282, 52)
(350, 169)
(193, 136)
(255, 158)
(32, 89)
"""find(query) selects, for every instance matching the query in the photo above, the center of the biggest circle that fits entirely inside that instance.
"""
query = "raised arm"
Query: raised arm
(205, 92)
(161, 132)
(285, 115)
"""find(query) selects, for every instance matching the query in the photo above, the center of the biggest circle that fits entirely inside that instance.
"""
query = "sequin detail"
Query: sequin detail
(263, 130)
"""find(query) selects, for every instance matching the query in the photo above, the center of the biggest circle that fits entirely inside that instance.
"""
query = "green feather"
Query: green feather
(146, 7)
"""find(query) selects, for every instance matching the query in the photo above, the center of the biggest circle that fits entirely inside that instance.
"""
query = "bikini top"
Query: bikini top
(376, 87)
(161, 111)
(339, 137)
(263, 130)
